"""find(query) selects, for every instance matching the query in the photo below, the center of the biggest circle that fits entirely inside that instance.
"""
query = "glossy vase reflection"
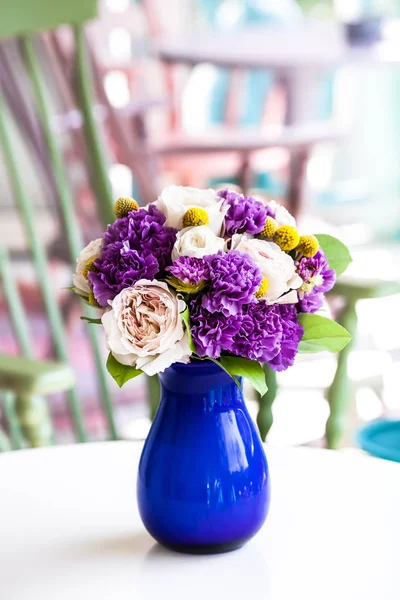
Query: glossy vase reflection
(203, 482)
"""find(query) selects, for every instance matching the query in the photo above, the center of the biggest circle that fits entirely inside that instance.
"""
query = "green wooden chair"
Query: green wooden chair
(339, 395)
(24, 383)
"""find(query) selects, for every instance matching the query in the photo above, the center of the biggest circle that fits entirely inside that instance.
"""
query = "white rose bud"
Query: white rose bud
(275, 265)
(91, 251)
(144, 327)
(175, 200)
(197, 241)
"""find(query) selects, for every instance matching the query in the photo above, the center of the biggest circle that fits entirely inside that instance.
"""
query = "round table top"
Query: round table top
(70, 529)
(304, 44)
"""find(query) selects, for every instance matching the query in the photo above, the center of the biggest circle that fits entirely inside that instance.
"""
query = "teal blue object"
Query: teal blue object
(209, 8)
(261, 181)
(381, 439)
(216, 182)
(324, 108)
(266, 181)
(219, 97)
(258, 84)
(257, 87)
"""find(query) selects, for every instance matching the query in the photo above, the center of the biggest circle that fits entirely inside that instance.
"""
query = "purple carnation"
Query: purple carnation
(292, 333)
(212, 333)
(234, 279)
(120, 267)
(260, 333)
(137, 246)
(190, 270)
(244, 215)
(311, 303)
(315, 272)
(310, 268)
(144, 230)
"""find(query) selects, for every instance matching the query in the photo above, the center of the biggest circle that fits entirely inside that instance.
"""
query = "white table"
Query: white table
(70, 529)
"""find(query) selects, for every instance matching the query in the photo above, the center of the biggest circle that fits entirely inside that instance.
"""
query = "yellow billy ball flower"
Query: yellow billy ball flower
(89, 267)
(194, 217)
(92, 300)
(270, 228)
(287, 237)
(262, 290)
(308, 245)
(124, 206)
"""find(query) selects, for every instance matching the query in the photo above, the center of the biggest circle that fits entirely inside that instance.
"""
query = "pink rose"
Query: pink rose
(144, 327)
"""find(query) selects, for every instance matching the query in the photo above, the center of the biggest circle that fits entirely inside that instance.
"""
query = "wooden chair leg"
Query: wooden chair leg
(265, 417)
(297, 181)
(12, 423)
(5, 444)
(245, 174)
(339, 393)
(34, 419)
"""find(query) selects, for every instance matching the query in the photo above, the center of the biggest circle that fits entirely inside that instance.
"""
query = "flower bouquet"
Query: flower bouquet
(201, 274)
(204, 288)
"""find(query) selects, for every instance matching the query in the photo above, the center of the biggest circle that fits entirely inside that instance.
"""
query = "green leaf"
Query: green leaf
(121, 373)
(185, 317)
(86, 301)
(337, 253)
(321, 334)
(221, 366)
(250, 369)
(76, 290)
(92, 321)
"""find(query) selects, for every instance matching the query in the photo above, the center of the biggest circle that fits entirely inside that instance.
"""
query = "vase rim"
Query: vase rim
(197, 377)
(197, 365)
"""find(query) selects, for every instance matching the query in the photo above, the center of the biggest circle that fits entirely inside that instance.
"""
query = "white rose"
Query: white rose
(92, 250)
(275, 265)
(175, 200)
(197, 241)
(282, 215)
(144, 327)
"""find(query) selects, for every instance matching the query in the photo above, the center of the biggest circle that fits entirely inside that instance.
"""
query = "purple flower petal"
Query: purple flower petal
(234, 279)
(244, 215)
(120, 267)
(135, 247)
(315, 271)
(190, 270)
(258, 332)
(292, 333)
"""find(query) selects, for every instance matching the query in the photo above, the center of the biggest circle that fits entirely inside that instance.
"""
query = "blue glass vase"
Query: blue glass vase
(203, 483)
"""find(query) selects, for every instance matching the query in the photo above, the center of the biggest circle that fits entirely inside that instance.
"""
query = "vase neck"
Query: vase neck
(203, 382)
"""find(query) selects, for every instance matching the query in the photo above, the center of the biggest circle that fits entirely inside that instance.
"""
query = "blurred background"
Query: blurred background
(295, 101)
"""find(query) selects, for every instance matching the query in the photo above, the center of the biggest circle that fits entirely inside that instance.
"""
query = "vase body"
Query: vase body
(203, 481)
